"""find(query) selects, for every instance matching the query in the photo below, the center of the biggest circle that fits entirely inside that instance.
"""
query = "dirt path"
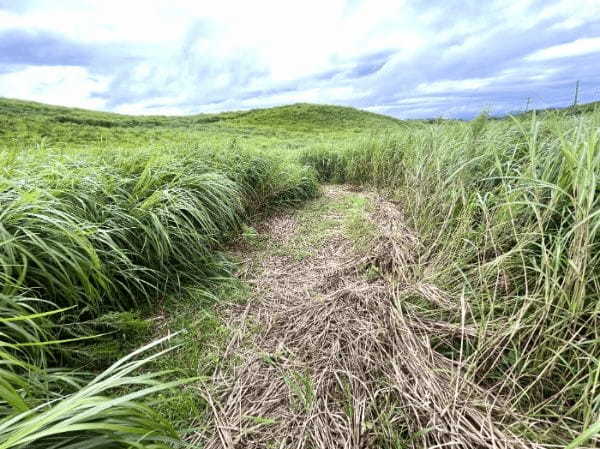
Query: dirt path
(324, 355)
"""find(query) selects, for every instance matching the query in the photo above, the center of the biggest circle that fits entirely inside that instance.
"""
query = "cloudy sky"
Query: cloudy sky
(406, 58)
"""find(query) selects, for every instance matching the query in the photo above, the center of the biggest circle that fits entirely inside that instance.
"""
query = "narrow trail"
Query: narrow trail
(324, 355)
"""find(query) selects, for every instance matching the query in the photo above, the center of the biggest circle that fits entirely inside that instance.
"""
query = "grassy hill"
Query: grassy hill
(27, 123)
(312, 117)
(585, 108)
(299, 114)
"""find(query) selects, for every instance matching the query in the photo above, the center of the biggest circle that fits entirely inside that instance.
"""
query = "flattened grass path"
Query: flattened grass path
(322, 355)
(290, 263)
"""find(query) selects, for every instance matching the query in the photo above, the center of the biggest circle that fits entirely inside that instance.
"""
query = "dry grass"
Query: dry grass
(280, 228)
(330, 358)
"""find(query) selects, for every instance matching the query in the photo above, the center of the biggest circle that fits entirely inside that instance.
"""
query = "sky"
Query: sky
(408, 59)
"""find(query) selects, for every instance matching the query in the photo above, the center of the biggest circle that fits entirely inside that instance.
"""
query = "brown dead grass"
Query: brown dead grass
(327, 358)
(280, 228)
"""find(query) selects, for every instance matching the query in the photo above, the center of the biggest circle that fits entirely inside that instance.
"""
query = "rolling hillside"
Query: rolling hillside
(26, 123)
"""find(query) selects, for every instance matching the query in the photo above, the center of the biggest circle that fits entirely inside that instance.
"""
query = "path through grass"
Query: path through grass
(323, 353)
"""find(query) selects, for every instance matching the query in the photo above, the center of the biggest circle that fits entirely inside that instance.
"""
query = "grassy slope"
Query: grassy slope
(27, 123)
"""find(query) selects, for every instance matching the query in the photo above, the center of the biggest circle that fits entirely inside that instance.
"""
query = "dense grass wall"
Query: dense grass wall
(85, 233)
(508, 213)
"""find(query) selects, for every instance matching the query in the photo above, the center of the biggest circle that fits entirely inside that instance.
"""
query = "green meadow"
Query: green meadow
(115, 254)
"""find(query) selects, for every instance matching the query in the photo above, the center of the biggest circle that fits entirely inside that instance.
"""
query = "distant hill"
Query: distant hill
(579, 109)
(569, 110)
(306, 115)
(301, 117)
(295, 117)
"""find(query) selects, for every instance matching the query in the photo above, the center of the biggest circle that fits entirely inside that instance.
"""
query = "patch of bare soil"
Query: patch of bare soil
(328, 357)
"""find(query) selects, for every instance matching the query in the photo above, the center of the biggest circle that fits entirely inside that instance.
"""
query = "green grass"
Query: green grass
(28, 125)
(200, 346)
(318, 220)
(357, 226)
(108, 220)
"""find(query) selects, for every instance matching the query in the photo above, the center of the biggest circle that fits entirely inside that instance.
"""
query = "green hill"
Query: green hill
(312, 116)
(296, 117)
(585, 108)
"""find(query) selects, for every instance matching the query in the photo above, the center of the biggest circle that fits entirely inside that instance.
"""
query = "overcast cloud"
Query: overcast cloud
(409, 59)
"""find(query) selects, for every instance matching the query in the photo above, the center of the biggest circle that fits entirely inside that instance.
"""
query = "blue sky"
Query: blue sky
(409, 59)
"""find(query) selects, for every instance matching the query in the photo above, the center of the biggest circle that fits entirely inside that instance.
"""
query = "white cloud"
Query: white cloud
(68, 86)
(314, 95)
(183, 56)
(149, 107)
(453, 85)
(571, 13)
(576, 48)
(294, 39)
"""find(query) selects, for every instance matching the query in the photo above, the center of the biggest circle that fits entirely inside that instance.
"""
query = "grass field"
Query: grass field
(115, 233)
(508, 217)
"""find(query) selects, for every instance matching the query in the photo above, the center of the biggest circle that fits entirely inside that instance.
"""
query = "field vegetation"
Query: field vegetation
(102, 217)
(508, 217)
(114, 257)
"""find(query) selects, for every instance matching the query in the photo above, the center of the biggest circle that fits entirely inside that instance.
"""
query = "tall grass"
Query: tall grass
(102, 213)
(60, 409)
(508, 212)
(83, 234)
(105, 235)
